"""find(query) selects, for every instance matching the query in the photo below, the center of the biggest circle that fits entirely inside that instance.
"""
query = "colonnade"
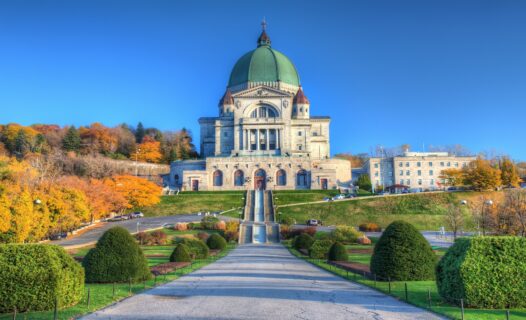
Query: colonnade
(256, 135)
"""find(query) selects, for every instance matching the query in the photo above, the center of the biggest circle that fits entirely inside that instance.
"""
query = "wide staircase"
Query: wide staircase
(259, 225)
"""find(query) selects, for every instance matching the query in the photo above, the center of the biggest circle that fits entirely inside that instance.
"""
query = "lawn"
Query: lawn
(423, 294)
(101, 295)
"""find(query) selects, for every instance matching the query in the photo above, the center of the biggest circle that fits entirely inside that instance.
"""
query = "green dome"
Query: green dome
(264, 64)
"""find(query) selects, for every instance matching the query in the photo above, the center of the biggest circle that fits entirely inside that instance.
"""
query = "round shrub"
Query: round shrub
(369, 227)
(320, 249)
(338, 252)
(216, 242)
(209, 222)
(180, 254)
(487, 272)
(402, 253)
(116, 258)
(196, 248)
(32, 275)
(344, 234)
(303, 241)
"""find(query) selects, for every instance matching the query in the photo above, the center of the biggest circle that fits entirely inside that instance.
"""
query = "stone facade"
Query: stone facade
(264, 135)
(415, 170)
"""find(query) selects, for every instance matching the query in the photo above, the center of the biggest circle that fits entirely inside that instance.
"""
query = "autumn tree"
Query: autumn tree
(5, 211)
(97, 138)
(72, 140)
(452, 177)
(482, 176)
(137, 191)
(509, 173)
(148, 151)
(125, 140)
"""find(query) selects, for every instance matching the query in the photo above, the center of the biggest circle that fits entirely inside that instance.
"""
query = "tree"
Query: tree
(454, 219)
(139, 133)
(149, 151)
(482, 176)
(137, 191)
(509, 173)
(126, 144)
(452, 177)
(5, 212)
(71, 141)
(364, 182)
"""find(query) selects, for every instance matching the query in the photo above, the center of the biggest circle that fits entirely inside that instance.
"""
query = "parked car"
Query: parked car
(327, 199)
(136, 214)
(59, 236)
(118, 218)
(314, 222)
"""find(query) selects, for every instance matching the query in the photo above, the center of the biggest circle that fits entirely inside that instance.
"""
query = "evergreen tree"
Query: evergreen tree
(21, 143)
(364, 182)
(71, 141)
(139, 133)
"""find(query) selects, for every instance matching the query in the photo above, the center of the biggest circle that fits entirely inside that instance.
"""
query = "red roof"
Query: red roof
(300, 98)
(227, 98)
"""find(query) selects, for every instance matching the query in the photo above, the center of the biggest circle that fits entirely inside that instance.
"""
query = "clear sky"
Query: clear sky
(431, 72)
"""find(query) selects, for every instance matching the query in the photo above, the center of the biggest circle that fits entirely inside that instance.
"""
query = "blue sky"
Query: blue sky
(432, 72)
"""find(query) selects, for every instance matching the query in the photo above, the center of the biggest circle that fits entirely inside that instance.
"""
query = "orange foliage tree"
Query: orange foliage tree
(138, 192)
(148, 151)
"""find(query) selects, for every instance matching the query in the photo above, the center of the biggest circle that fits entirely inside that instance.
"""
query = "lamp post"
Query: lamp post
(136, 159)
(138, 223)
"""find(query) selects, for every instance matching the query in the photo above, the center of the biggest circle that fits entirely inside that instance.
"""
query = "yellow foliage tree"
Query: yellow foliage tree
(509, 173)
(482, 176)
(452, 177)
(22, 219)
(149, 151)
(138, 192)
(5, 212)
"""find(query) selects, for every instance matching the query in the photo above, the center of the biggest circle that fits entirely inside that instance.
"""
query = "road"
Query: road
(92, 235)
(261, 282)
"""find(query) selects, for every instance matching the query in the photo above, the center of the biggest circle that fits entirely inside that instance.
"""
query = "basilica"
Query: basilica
(264, 136)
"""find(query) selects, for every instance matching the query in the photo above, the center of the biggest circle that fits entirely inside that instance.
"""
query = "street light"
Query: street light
(138, 223)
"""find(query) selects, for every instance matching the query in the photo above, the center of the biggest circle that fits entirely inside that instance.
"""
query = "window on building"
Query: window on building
(239, 178)
(300, 147)
(419, 172)
(419, 182)
(449, 164)
(218, 178)
(225, 134)
(456, 164)
(408, 182)
(432, 182)
(264, 112)
(390, 173)
(401, 172)
(441, 164)
(430, 164)
(419, 164)
(401, 181)
(408, 173)
(302, 178)
(376, 174)
(299, 133)
(400, 164)
(281, 177)
(430, 172)
(407, 164)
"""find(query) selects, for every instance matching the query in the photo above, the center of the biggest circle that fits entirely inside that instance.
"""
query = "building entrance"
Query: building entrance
(260, 178)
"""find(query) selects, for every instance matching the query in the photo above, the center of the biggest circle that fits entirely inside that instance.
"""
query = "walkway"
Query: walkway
(261, 282)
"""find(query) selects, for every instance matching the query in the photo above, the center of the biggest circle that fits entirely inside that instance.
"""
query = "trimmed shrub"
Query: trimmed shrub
(402, 253)
(216, 242)
(181, 253)
(209, 222)
(369, 227)
(288, 233)
(116, 258)
(196, 248)
(303, 241)
(320, 249)
(32, 275)
(338, 252)
(344, 234)
(158, 238)
(487, 272)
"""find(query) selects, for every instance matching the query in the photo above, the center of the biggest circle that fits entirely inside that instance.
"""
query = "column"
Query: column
(258, 146)
(244, 146)
(237, 138)
(277, 140)
(268, 138)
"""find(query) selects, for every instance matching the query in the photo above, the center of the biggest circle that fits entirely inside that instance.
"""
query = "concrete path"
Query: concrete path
(261, 282)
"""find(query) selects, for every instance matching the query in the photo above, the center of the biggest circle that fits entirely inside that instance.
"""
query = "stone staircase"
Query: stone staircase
(258, 225)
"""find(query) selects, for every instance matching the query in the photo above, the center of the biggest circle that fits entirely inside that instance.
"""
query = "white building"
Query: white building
(413, 170)
(264, 136)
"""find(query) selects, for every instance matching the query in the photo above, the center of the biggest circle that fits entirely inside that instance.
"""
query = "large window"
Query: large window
(264, 112)
(218, 178)
(302, 178)
(239, 178)
(281, 177)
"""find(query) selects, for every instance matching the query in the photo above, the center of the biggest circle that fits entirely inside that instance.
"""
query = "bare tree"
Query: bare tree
(454, 219)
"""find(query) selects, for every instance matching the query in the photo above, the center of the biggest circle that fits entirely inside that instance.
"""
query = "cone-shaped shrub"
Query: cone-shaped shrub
(487, 272)
(338, 252)
(180, 254)
(116, 258)
(197, 248)
(32, 276)
(303, 241)
(402, 253)
(216, 242)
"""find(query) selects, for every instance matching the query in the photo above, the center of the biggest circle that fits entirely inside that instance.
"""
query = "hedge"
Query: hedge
(402, 253)
(180, 254)
(32, 276)
(338, 252)
(303, 241)
(216, 242)
(487, 272)
(320, 249)
(196, 248)
(116, 258)
(345, 234)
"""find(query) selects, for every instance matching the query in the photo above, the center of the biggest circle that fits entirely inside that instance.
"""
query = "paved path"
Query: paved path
(261, 282)
(91, 236)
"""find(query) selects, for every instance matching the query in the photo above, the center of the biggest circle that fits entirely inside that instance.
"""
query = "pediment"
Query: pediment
(262, 92)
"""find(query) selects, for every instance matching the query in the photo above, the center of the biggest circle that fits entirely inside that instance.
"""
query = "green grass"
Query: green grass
(424, 211)
(418, 292)
(101, 295)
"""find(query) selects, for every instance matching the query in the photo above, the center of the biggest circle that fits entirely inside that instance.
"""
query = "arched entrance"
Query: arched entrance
(260, 179)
